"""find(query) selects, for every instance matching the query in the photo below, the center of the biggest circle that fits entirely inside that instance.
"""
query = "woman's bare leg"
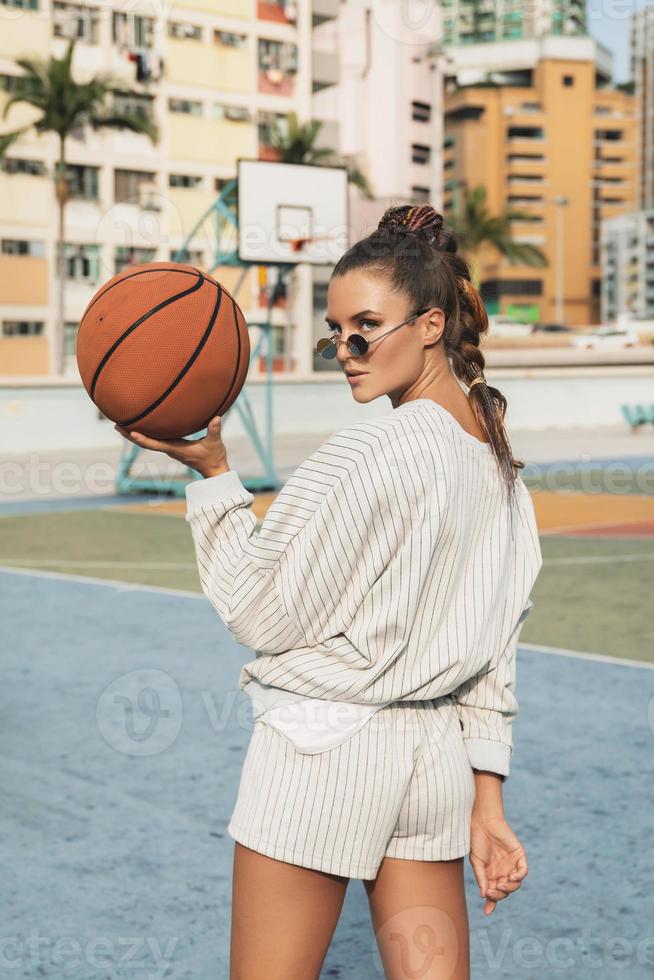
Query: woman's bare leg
(420, 919)
(283, 918)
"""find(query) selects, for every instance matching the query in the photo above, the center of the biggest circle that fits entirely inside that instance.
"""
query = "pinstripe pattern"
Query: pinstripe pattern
(400, 787)
(388, 568)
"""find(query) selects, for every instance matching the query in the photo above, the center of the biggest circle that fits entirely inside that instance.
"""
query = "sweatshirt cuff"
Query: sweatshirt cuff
(211, 489)
(492, 756)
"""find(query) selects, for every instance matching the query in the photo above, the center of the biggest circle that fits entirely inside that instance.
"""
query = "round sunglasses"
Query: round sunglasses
(356, 343)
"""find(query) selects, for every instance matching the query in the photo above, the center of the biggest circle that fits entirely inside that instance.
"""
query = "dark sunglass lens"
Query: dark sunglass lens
(326, 348)
(358, 344)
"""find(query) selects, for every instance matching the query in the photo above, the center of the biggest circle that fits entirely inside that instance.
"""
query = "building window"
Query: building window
(420, 193)
(21, 246)
(420, 153)
(277, 56)
(83, 181)
(184, 180)
(229, 39)
(184, 31)
(133, 104)
(70, 341)
(421, 111)
(265, 126)
(22, 4)
(22, 328)
(494, 288)
(126, 255)
(132, 30)
(127, 184)
(525, 132)
(82, 262)
(189, 107)
(568, 80)
(233, 113)
(33, 168)
(187, 256)
(609, 135)
(71, 20)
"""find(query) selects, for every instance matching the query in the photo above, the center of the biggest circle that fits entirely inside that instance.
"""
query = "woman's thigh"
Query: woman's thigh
(283, 917)
(420, 919)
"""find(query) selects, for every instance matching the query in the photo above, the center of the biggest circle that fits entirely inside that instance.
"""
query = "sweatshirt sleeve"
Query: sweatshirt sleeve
(487, 705)
(328, 536)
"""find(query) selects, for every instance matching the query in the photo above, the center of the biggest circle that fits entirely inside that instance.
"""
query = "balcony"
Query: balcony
(323, 10)
(324, 70)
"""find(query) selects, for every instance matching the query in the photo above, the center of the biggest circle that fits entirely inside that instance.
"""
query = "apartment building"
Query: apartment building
(213, 74)
(628, 280)
(479, 21)
(538, 123)
(641, 36)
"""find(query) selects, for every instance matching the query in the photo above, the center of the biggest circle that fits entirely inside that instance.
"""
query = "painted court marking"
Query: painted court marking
(158, 590)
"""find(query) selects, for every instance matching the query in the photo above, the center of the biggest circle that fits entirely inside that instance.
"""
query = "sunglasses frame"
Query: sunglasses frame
(327, 343)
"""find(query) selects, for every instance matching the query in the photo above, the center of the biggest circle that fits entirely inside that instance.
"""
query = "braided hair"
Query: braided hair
(418, 253)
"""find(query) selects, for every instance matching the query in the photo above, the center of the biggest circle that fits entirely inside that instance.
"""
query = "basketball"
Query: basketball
(162, 348)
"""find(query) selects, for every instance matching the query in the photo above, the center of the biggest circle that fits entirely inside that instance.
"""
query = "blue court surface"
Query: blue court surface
(124, 732)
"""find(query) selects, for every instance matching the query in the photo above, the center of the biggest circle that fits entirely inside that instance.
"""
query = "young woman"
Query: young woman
(383, 595)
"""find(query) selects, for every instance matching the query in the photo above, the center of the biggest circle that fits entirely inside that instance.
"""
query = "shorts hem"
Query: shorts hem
(409, 853)
(297, 857)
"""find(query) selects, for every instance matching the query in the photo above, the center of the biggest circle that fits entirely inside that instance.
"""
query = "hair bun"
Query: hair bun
(422, 220)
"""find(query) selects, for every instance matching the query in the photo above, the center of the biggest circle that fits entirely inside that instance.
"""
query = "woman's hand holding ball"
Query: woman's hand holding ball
(207, 455)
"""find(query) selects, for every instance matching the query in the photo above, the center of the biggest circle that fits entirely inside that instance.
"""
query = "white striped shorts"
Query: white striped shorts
(401, 787)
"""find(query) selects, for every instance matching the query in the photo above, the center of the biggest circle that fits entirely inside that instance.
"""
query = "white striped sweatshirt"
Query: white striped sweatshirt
(389, 567)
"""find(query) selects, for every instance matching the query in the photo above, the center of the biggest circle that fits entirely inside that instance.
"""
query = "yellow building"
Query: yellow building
(213, 74)
(553, 128)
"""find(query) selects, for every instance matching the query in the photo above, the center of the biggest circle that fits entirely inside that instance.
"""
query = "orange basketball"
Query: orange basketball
(162, 348)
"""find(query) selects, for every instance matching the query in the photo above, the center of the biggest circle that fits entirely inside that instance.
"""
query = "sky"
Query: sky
(608, 21)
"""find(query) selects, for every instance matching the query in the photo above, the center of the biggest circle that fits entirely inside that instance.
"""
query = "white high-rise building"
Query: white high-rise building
(642, 72)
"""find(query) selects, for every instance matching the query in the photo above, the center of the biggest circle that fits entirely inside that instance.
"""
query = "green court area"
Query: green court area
(592, 594)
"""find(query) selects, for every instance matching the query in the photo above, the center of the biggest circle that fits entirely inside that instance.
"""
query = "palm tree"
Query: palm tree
(476, 227)
(296, 146)
(65, 106)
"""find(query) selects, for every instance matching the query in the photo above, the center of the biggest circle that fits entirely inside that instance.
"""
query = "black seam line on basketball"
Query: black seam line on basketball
(218, 411)
(194, 356)
(137, 323)
(132, 275)
(237, 362)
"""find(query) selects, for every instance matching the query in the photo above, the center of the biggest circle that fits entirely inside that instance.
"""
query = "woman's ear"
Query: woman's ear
(435, 325)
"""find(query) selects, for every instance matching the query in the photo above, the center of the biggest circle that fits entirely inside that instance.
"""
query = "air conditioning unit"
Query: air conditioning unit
(148, 196)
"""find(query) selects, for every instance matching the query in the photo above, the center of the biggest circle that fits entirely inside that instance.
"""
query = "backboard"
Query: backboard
(290, 213)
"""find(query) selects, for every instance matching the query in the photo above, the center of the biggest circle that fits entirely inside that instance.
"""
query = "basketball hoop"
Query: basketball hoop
(298, 244)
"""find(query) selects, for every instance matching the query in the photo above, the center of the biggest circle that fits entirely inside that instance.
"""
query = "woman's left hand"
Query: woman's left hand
(207, 455)
(497, 857)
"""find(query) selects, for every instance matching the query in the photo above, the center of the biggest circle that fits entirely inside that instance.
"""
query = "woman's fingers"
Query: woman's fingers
(157, 445)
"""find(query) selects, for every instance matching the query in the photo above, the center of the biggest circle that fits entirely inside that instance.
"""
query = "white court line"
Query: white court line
(159, 590)
(100, 564)
(597, 657)
(596, 559)
(108, 583)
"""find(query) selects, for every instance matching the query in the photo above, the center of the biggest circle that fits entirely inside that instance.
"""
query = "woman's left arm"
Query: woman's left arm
(497, 857)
